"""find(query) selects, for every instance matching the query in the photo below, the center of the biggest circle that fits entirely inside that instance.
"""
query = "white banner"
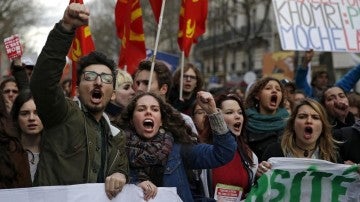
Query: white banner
(84, 193)
(321, 25)
(303, 179)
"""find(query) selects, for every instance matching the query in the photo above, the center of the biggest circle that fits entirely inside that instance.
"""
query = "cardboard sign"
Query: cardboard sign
(227, 193)
(13, 46)
(321, 25)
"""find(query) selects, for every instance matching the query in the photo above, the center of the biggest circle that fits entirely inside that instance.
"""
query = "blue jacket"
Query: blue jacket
(347, 82)
(200, 156)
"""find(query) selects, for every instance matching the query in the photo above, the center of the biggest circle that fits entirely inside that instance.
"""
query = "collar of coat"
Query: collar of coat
(114, 130)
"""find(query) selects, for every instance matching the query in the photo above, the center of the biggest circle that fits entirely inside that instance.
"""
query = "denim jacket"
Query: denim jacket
(200, 156)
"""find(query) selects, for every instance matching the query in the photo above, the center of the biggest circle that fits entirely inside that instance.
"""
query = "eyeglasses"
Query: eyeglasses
(189, 77)
(7, 91)
(92, 76)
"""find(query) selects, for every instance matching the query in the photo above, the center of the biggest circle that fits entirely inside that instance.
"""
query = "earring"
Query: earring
(161, 130)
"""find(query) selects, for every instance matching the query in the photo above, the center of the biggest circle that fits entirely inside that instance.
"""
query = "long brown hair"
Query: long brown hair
(326, 143)
(171, 119)
(241, 139)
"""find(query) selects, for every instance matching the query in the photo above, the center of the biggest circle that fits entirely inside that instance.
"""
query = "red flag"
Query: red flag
(129, 25)
(192, 21)
(156, 7)
(81, 45)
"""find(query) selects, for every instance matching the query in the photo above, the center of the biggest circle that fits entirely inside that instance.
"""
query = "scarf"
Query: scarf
(148, 157)
(262, 123)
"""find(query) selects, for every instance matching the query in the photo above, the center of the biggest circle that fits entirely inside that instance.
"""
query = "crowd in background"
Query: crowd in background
(120, 128)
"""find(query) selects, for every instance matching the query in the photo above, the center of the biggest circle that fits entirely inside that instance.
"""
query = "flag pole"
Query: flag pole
(156, 44)
(182, 75)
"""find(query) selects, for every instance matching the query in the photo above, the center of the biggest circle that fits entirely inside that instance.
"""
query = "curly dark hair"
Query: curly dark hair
(172, 120)
(251, 101)
(96, 57)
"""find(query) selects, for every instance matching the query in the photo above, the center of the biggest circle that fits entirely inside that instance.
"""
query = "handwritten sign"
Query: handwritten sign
(13, 46)
(321, 25)
(301, 179)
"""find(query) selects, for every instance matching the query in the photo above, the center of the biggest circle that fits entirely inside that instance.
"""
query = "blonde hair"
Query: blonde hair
(326, 143)
(121, 78)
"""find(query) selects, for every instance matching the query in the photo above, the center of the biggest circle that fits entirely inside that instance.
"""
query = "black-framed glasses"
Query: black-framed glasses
(92, 76)
(7, 91)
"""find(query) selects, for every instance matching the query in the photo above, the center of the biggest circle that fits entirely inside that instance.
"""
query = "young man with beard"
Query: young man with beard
(79, 145)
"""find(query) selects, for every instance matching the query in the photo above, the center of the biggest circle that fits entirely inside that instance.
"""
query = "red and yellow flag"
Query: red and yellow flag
(129, 25)
(81, 45)
(192, 22)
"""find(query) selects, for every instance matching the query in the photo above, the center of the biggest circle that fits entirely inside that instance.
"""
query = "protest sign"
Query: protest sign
(84, 193)
(303, 179)
(321, 25)
(13, 46)
(227, 193)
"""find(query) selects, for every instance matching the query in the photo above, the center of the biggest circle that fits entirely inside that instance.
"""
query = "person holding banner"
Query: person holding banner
(308, 134)
(159, 146)
(266, 113)
(79, 144)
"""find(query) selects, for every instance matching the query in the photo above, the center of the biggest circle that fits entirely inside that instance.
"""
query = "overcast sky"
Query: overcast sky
(53, 11)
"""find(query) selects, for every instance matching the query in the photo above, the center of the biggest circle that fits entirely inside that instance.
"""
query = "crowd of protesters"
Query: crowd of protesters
(120, 128)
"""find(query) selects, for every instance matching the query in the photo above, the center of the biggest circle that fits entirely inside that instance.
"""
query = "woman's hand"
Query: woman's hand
(150, 189)
(263, 167)
(206, 102)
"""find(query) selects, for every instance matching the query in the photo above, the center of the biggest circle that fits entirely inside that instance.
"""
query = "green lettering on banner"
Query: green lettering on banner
(295, 190)
(316, 185)
(259, 189)
(280, 187)
(337, 189)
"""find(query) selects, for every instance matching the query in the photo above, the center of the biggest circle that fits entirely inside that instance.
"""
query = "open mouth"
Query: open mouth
(273, 100)
(148, 123)
(340, 106)
(96, 95)
(237, 126)
(308, 132)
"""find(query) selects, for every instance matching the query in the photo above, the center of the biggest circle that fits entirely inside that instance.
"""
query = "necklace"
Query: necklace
(306, 151)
